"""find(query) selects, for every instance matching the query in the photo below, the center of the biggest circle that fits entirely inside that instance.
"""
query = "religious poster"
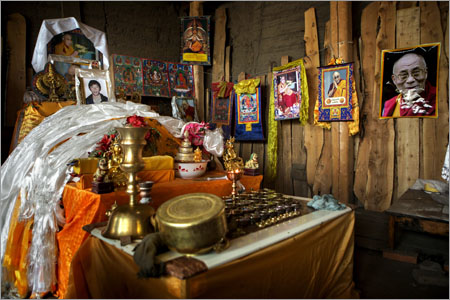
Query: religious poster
(181, 80)
(221, 108)
(335, 92)
(195, 45)
(156, 79)
(127, 72)
(248, 116)
(287, 93)
(73, 43)
(409, 82)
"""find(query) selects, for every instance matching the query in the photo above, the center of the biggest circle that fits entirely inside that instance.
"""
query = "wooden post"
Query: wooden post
(16, 76)
(342, 143)
(313, 135)
(227, 63)
(432, 144)
(218, 72)
(407, 152)
(196, 9)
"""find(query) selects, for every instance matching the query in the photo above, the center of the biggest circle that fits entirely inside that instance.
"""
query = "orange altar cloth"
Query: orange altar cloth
(83, 207)
(314, 264)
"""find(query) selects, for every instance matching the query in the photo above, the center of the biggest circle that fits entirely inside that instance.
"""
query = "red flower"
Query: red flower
(136, 121)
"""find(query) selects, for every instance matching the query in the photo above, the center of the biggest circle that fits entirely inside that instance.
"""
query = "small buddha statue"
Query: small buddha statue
(197, 155)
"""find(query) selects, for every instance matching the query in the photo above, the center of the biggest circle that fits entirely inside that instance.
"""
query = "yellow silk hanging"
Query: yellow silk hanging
(247, 86)
(272, 140)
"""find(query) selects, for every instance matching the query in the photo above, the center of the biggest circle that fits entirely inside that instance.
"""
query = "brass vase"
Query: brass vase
(132, 219)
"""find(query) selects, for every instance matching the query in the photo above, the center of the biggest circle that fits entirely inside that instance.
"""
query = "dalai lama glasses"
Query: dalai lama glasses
(416, 73)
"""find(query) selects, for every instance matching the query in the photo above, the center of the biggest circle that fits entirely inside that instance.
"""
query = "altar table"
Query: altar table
(83, 207)
(312, 259)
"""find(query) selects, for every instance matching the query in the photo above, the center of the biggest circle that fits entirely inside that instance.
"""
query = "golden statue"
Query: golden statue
(101, 174)
(197, 155)
(116, 174)
(231, 161)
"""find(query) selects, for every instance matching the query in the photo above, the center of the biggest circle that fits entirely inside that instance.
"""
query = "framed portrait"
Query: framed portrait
(195, 44)
(181, 80)
(287, 93)
(409, 82)
(335, 90)
(75, 44)
(156, 78)
(184, 109)
(93, 86)
(127, 74)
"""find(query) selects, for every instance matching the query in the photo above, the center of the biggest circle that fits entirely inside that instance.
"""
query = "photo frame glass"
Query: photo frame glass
(409, 82)
(187, 110)
(195, 40)
(73, 43)
(93, 86)
(287, 93)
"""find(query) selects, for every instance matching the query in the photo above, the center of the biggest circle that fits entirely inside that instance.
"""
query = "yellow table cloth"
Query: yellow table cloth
(316, 263)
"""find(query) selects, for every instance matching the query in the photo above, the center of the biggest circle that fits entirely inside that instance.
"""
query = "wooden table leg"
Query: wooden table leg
(391, 232)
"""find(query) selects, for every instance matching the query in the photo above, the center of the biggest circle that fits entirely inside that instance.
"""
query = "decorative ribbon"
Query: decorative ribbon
(222, 89)
(247, 86)
(272, 140)
(353, 126)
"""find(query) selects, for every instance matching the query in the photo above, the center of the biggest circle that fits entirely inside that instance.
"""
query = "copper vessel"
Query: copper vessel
(192, 223)
(131, 219)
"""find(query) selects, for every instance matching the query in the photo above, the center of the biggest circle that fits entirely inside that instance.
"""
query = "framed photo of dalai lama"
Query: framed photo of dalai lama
(409, 82)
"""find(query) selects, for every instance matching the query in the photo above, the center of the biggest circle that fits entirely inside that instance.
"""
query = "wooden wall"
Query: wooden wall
(394, 153)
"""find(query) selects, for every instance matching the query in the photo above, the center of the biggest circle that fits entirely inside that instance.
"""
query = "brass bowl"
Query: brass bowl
(192, 223)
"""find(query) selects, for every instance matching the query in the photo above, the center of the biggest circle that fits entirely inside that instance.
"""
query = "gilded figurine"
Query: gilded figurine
(231, 160)
(197, 155)
(101, 174)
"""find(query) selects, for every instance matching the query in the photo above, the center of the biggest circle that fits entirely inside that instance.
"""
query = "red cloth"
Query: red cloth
(289, 100)
(429, 95)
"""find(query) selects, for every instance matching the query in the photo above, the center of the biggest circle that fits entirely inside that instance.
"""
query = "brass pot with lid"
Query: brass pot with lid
(192, 223)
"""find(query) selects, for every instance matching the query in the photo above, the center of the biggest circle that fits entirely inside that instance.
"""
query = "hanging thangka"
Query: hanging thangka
(335, 93)
(195, 45)
(156, 80)
(248, 110)
(127, 74)
(222, 105)
(287, 93)
(181, 80)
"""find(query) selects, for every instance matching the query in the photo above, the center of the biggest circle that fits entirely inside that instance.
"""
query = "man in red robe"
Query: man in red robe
(417, 96)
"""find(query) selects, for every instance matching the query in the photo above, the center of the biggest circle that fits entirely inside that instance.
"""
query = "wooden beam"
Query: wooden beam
(196, 9)
(16, 75)
(218, 72)
(313, 135)
(433, 145)
(227, 63)
(380, 171)
(342, 143)
(407, 152)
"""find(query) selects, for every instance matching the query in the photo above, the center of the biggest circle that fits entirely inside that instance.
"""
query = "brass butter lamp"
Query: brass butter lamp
(132, 219)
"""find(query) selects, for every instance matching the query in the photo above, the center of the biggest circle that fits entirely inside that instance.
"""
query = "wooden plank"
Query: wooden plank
(313, 135)
(323, 178)
(357, 79)
(218, 72)
(368, 38)
(380, 172)
(407, 152)
(335, 150)
(196, 9)
(258, 147)
(227, 63)
(16, 76)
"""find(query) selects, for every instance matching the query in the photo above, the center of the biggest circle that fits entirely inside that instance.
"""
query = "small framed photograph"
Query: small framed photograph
(409, 82)
(287, 93)
(93, 86)
(335, 92)
(73, 43)
(184, 109)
